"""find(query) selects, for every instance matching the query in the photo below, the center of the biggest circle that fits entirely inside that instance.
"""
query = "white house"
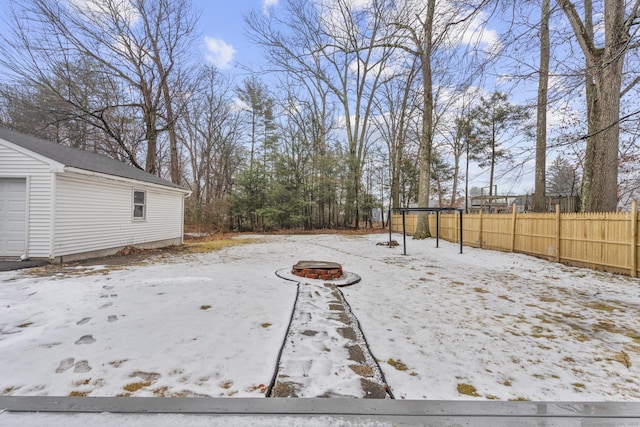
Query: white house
(63, 204)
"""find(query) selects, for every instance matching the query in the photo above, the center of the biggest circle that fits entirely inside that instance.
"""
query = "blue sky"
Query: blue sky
(223, 39)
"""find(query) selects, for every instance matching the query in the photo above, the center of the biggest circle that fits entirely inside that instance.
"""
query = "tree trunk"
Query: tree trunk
(539, 194)
(604, 81)
(422, 227)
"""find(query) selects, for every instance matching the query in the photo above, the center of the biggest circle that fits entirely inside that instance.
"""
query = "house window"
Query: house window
(139, 204)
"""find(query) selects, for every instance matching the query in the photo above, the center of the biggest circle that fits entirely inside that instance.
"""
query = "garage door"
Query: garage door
(12, 216)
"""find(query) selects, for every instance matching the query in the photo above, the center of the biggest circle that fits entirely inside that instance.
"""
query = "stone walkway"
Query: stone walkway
(341, 364)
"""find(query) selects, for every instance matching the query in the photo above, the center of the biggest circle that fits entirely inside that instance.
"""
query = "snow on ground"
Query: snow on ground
(443, 325)
(207, 325)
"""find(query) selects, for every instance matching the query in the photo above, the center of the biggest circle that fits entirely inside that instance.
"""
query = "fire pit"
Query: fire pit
(317, 270)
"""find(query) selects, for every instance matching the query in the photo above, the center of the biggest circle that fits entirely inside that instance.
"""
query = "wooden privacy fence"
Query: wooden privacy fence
(602, 241)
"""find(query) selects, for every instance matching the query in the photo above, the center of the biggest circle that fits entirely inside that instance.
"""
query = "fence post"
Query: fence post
(557, 232)
(480, 230)
(513, 228)
(634, 239)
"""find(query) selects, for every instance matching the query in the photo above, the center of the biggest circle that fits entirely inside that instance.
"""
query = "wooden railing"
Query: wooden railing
(601, 241)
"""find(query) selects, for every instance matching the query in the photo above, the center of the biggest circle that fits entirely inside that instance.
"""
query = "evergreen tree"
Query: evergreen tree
(495, 120)
(562, 178)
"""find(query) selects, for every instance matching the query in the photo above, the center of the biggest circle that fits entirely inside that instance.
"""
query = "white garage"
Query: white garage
(60, 203)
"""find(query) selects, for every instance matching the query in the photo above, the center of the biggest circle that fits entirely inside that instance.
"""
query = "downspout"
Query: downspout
(184, 196)
(27, 219)
(52, 224)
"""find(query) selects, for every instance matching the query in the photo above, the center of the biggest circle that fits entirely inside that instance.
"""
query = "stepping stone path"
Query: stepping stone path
(325, 353)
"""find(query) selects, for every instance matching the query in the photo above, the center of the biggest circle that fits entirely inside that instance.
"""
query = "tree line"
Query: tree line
(361, 105)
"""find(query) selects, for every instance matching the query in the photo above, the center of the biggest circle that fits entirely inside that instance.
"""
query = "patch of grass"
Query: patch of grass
(579, 387)
(547, 299)
(205, 307)
(133, 387)
(467, 389)
(507, 383)
(634, 336)
(569, 359)
(25, 324)
(260, 387)
(623, 358)
(519, 399)
(265, 325)
(78, 393)
(481, 290)
(216, 245)
(397, 364)
(571, 315)
(582, 338)
(161, 391)
(491, 397)
(601, 306)
(539, 332)
(506, 298)
(606, 325)
(8, 390)
(226, 384)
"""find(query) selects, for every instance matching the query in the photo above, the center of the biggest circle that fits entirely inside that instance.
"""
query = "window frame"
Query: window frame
(134, 205)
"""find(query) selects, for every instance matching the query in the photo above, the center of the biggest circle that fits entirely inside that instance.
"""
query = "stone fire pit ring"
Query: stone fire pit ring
(318, 272)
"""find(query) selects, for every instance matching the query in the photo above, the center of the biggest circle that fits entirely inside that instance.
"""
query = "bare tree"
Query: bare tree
(339, 43)
(131, 48)
(309, 119)
(421, 32)
(210, 129)
(604, 58)
(396, 107)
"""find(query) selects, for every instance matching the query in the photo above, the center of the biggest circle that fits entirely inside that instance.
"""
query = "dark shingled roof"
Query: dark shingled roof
(81, 159)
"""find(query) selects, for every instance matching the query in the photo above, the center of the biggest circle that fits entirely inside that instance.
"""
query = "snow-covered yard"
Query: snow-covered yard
(443, 325)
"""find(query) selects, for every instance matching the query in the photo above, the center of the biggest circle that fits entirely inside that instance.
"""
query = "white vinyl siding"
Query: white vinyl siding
(14, 164)
(94, 213)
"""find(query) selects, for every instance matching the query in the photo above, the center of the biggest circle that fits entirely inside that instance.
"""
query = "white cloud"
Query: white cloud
(96, 10)
(268, 4)
(219, 53)
(239, 105)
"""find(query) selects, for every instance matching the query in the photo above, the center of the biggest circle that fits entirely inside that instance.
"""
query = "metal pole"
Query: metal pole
(461, 212)
(466, 181)
(404, 234)
(437, 229)
(389, 220)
